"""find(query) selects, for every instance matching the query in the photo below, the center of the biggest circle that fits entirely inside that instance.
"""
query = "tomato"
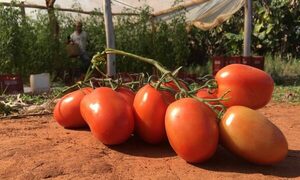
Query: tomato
(250, 135)
(248, 86)
(109, 116)
(206, 94)
(126, 93)
(172, 85)
(67, 109)
(150, 106)
(192, 129)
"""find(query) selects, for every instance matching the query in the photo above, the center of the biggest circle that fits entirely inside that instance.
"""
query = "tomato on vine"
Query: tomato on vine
(248, 86)
(109, 115)
(127, 94)
(67, 109)
(250, 135)
(150, 106)
(192, 129)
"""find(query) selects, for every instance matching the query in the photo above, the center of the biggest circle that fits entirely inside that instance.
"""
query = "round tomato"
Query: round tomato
(150, 106)
(126, 93)
(192, 129)
(248, 86)
(67, 110)
(109, 116)
(250, 135)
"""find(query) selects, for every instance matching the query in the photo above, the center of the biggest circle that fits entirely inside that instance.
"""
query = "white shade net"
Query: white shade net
(204, 14)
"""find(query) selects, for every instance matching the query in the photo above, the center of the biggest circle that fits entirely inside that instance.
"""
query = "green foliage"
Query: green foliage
(290, 94)
(166, 42)
(199, 70)
(10, 39)
(26, 45)
(284, 70)
(277, 27)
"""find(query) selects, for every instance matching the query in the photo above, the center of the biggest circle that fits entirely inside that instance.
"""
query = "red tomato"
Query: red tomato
(150, 107)
(172, 85)
(250, 135)
(205, 94)
(109, 116)
(248, 86)
(67, 109)
(126, 93)
(192, 129)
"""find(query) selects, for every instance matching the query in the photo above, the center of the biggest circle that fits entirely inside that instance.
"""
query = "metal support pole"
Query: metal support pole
(248, 28)
(110, 37)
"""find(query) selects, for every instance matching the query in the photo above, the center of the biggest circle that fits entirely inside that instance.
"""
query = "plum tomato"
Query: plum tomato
(192, 129)
(249, 86)
(67, 109)
(150, 106)
(109, 116)
(206, 94)
(172, 85)
(250, 135)
(126, 93)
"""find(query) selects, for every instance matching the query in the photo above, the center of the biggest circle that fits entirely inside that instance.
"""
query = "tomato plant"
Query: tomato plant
(248, 86)
(250, 135)
(192, 129)
(109, 116)
(150, 106)
(67, 109)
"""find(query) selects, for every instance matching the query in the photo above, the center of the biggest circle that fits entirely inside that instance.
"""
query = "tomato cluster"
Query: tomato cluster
(190, 124)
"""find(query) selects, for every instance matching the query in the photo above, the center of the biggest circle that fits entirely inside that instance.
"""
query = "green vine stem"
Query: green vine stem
(159, 66)
(211, 84)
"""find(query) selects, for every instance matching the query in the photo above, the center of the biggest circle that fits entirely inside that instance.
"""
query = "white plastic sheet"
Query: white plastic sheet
(204, 14)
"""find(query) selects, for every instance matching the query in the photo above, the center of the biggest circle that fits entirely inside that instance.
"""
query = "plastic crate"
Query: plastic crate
(11, 84)
(233, 60)
(254, 61)
(221, 61)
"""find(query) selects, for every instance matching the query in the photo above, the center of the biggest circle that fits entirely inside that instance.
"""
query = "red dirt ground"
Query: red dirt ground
(37, 148)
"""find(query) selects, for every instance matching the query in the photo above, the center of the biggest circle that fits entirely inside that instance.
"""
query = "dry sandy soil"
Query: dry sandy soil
(38, 148)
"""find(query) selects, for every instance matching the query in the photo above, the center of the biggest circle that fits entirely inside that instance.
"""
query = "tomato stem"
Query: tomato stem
(158, 65)
(211, 83)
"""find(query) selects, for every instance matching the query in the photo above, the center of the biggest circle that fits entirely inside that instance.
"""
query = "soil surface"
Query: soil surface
(38, 148)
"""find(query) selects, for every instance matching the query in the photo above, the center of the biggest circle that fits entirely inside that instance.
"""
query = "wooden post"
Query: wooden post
(23, 11)
(247, 28)
(110, 37)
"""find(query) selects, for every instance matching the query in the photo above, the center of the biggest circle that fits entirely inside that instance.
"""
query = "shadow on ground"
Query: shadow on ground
(224, 161)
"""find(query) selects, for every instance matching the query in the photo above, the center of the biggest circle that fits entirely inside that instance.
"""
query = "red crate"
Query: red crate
(254, 61)
(11, 84)
(258, 62)
(220, 61)
(233, 60)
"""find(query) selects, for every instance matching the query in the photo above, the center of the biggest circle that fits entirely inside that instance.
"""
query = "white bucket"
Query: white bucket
(40, 83)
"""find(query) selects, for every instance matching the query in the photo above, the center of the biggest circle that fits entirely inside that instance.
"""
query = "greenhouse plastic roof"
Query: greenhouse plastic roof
(117, 5)
(204, 14)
